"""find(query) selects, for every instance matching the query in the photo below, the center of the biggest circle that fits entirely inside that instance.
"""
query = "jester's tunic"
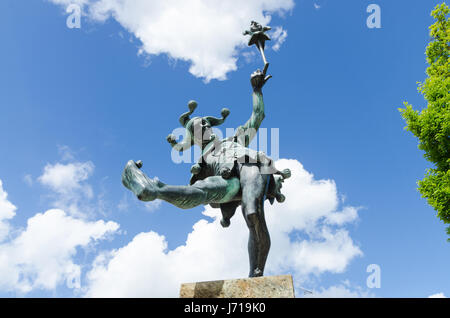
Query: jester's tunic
(226, 157)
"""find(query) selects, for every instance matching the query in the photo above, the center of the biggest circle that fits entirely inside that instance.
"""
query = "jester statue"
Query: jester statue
(228, 174)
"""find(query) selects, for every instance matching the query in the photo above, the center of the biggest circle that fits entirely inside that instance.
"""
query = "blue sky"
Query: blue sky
(84, 99)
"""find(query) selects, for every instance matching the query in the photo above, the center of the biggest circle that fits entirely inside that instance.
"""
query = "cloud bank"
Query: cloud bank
(70, 190)
(41, 256)
(438, 295)
(308, 231)
(145, 267)
(205, 33)
(7, 212)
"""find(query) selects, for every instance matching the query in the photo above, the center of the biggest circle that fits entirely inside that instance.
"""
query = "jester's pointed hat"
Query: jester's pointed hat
(190, 139)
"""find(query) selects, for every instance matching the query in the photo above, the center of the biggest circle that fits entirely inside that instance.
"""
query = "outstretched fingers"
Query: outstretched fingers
(267, 78)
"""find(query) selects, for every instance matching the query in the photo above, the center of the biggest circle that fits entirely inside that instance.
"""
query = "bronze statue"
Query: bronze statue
(228, 173)
(258, 37)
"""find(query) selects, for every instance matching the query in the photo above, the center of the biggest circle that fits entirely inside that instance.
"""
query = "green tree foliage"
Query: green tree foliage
(432, 125)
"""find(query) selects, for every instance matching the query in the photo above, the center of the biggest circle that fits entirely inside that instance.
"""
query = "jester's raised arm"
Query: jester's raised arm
(247, 132)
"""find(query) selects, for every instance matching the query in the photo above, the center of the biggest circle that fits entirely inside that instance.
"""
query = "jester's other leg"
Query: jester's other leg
(228, 210)
(211, 190)
(253, 185)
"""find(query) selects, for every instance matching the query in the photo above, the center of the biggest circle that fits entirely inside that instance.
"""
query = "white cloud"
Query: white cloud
(72, 193)
(348, 214)
(68, 2)
(438, 295)
(340, 291)
(68, 182)
(123, 204)
(249, 56)
(7, 212)
(28, 179)
(66, 178)
(206, 33)
(145, 267)
(279, 35)
(66, 153)
(153, 205)
(327, 251)
(41, 255)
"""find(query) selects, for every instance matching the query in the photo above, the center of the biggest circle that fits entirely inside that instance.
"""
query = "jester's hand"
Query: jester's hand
(258, 78)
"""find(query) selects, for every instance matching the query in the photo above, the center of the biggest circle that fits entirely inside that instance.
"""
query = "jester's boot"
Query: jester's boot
(143, 187)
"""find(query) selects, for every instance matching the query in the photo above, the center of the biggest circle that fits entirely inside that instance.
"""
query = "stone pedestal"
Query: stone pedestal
(257, 287)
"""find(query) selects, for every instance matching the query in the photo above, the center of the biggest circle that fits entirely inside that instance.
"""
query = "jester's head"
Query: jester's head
(198, 129)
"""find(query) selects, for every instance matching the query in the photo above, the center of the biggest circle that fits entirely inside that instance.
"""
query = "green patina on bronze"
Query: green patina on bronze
(228, 173)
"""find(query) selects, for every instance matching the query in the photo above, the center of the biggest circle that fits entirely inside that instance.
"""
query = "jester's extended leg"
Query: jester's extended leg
(253, 185)
(211, 190)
